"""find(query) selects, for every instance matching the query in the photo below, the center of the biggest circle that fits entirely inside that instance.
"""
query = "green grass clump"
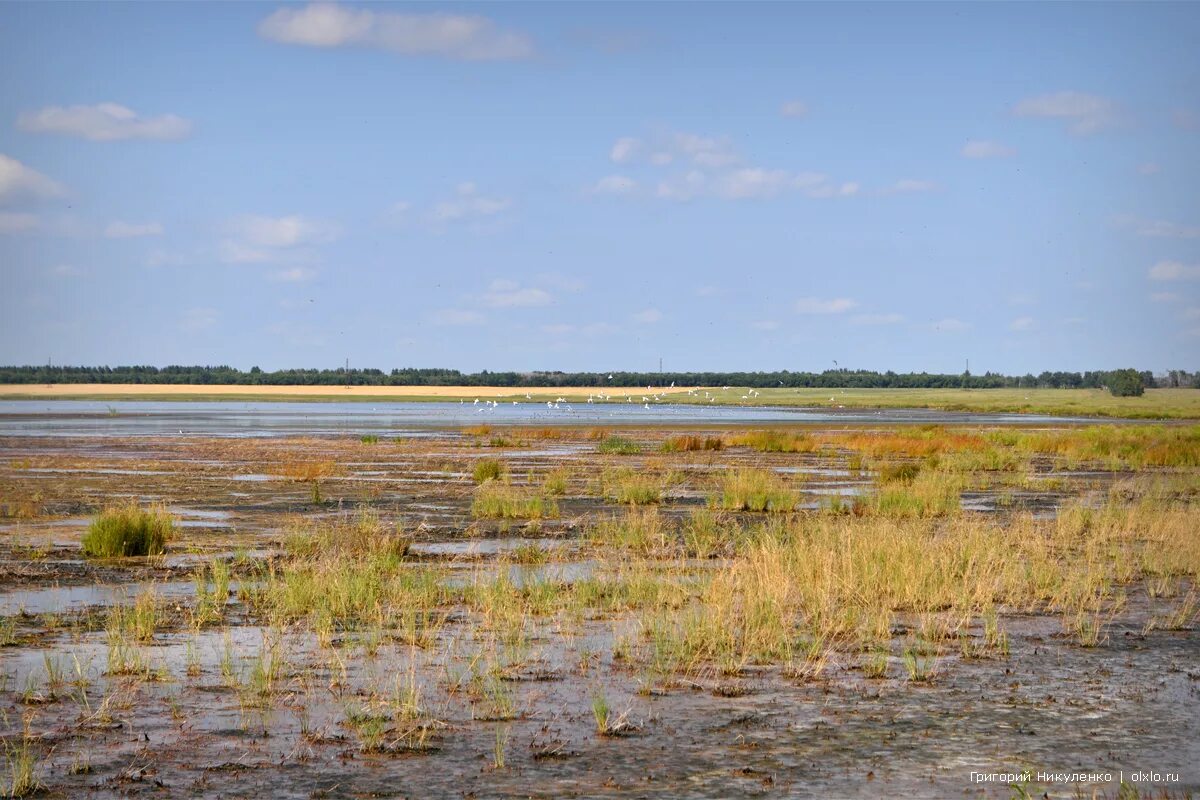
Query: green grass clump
(556, 481)
(128, 531)
(487, 469)
(898, 473)
(497, 500)
(754, 490)
(369, 438)
(618, 445)
(632, 487)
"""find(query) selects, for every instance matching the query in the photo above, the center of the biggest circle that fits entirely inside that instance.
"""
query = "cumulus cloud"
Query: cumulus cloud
(17, 222)
(689, 165)
(456, 36)
(816, 305)
(103, 122)
(1083, 113)
(510, 294)
(467, 204)
(132, 230)
(624, 149)
(982, 148)
(20, 181)
(949, 325)
(1022, 324)
(1174, 271)
(458, 316)
(256, 238)
(615, 184)
(648, 316)
(793, 108)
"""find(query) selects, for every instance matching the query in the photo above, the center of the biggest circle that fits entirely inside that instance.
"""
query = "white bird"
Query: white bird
(476, 402)
(646, 406)
(610, 377)
(549, 404)
(527, 397)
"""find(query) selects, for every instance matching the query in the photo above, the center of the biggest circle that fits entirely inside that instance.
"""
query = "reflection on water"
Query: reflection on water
(130, 418)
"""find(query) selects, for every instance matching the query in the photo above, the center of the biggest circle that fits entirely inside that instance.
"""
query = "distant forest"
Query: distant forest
(830, 379)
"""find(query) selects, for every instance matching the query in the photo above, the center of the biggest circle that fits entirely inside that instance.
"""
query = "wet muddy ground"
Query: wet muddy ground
(466, 710)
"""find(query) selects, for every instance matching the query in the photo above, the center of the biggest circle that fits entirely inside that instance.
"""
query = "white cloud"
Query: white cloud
(293, 275)
(1022, 324)
(1164, 297)
(18, 180)
(793, 108)
(510, 294)
(198, 319)
(1174, 271)
(132, 230)
(624, 149)
(816, 305)
(709, 166)
(289, 231)
(558, 329)
(1083, 113)
(982, 148)
(1148, 168)
(17, 222)
(456, 316)
(103, 122)
(753, 182)
(257, 239)
(877, 319)
(949, 325)
(648, 316)
(456, 36)
(615, 184)
(908, 186)
(1158, 228)
(1192, 313)
(65, 271)
(467, 204)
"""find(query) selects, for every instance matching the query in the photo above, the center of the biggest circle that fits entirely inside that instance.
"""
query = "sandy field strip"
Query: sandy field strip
(134, 390)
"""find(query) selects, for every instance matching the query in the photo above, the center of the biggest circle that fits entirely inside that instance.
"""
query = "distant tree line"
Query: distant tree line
(1127, 381)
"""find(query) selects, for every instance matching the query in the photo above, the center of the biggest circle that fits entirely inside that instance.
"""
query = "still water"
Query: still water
(132, 418)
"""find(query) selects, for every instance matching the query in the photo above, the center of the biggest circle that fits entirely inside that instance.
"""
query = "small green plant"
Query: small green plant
(369, 438)
(618, 445)
(22, 779)
(555, 483)
(600, 711)
(487, 469)
(129, 531)
(754, 490)
(497, 500)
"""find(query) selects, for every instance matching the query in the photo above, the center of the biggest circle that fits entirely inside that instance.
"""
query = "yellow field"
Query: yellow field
(134, 391)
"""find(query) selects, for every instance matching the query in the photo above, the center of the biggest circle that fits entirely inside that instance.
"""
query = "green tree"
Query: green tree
(1126, 383)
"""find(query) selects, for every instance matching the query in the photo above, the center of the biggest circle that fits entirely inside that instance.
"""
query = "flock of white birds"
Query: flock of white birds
(651, 396)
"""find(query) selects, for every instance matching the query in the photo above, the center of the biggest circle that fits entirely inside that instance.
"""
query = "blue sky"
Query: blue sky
(591, 187)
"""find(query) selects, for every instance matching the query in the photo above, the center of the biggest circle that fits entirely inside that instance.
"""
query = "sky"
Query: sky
(578, 186)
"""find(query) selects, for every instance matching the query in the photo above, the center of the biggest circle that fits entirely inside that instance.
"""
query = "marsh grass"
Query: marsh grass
(310, 471)
(776, 441)
(618, 445)
(643, 532)
(129, 531)
(685, 443)
(22, 766)
(631, 487)
(754, 490)
(487, 469)
(556, 482)
(498, 500)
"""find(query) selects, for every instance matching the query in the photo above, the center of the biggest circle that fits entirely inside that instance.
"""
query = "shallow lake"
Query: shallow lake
(131, 418)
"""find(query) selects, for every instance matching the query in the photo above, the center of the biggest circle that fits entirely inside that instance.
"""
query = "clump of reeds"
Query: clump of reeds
(618, 445)
(754, 490)
(487, 469)
(690, 442)
(129, 531)
(774, 441)
(498, 500)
